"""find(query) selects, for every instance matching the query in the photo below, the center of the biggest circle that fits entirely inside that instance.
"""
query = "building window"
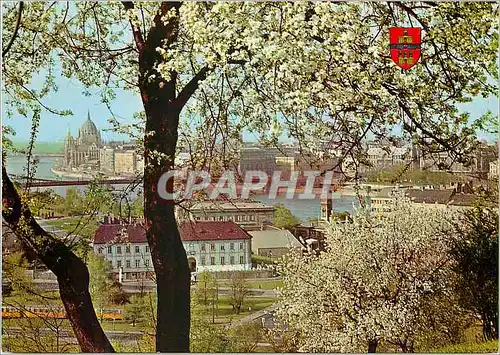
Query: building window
(236, 218)
(99, 250)
(146, 263)
(202, 260)
(147, 248)
(137, 249)
(241, 246)
(212, 246)
(222, 247)
(252, 217)
(127, 263)
(118, 250)
(119, 263)
(127, 249)
(221, 218)
(222, 260)
(137, 263)
(109, 250)
(231, 260)
(231, 246)
(203, 247)
(212, 260)
(242, 259)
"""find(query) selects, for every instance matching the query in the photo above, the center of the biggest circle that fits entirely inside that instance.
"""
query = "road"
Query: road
(52, 285)
(266, 316)
(124, 337)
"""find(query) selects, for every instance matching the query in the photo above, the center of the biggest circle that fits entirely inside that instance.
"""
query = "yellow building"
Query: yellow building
(125, 162)
(285, 164)
(493, 170)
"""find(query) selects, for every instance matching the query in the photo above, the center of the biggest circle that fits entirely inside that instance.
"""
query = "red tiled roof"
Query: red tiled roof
(212, 230)
(430, 196)
(190, 231)
(118, 233)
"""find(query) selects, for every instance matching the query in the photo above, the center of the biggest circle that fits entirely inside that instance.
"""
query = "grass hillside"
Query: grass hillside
(42, 147)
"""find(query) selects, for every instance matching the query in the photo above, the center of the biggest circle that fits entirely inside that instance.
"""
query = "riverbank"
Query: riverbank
(86, 176)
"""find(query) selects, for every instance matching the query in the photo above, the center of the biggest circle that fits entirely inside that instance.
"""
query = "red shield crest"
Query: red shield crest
(405, 46)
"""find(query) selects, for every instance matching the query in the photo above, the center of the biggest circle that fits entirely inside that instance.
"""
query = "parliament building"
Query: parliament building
(88, 152)
(83, 151)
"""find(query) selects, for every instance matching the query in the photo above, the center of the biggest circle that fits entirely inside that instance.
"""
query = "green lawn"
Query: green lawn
(225, 311)
(484, 347)
(41, 147)
(78, 225)
(23, 298)
(122, 326)
(257, 284)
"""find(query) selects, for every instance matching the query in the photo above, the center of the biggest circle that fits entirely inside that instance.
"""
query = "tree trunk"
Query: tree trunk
(72, 274)
(372, 346)
(162, 105)
(162, 119)
(172, 275)
(167, 251)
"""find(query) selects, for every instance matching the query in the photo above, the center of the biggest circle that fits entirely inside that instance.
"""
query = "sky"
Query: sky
(54, 128)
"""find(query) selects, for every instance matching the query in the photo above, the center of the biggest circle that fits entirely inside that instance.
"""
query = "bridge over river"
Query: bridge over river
(55, 183)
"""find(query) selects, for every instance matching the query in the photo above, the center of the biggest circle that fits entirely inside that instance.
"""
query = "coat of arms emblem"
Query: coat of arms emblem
(405, 46)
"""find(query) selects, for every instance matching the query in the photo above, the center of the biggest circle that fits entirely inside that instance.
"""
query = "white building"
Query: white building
(273, 242)
(210, 246)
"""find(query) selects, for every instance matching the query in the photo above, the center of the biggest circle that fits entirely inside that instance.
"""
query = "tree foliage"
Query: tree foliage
(283, 217)
(475, 251)
(238, 291)
(207, 71)
(254, 61)
(206, 288)
(136, 310)
(102, 285)
(379, 281)
(401, 173)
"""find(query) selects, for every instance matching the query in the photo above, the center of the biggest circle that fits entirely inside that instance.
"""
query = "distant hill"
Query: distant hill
(42, 147)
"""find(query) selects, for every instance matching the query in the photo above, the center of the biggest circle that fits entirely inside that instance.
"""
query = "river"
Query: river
(302, 209)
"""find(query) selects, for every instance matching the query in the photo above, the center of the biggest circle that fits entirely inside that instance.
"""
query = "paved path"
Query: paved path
(255, 316)
(124, 336)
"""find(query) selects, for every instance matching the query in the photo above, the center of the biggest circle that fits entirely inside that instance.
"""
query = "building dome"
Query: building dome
(89, 128)
(88, 133)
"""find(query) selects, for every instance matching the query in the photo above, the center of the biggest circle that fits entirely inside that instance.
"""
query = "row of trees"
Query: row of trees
(402, 173)
(76, 203)
(414, 279)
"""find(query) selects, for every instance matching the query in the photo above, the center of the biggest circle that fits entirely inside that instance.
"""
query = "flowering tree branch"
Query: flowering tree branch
(16, 29)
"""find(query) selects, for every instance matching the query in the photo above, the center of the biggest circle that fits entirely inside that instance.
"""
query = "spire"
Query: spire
(88, 115)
